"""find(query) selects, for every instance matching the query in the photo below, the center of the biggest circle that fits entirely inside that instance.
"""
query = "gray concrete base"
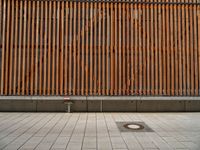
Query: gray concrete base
(149, 105)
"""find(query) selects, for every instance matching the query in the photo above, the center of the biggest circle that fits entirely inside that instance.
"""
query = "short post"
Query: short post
(68, 104)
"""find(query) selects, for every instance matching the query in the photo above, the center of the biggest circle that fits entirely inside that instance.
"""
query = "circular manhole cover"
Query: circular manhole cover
(134, 126)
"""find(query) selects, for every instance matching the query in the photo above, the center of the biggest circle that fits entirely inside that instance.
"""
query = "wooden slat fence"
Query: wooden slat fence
(100, 48)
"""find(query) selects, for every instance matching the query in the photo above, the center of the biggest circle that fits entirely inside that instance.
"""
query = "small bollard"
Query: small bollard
(68, 105)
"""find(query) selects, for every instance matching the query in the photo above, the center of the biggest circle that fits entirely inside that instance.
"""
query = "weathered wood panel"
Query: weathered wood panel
(100, 47)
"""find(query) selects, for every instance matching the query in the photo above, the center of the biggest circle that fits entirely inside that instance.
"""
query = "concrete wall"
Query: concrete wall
(98, 105)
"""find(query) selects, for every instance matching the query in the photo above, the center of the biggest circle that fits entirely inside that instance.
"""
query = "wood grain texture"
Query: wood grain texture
(93, 48)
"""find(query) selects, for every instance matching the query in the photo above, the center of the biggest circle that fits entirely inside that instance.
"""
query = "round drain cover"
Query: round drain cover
(134, 126)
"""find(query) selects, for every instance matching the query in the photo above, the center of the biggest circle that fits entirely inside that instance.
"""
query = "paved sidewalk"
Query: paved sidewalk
(59, 131)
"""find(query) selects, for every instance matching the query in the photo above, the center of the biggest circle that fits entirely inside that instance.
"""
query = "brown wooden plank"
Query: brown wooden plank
(152, 51)
(57, 46)
(123, 48)
(3, 47)
(91, 48)
(156, 49)
(116, 48)
(120, 49)
(49, 48)
(183, 19)
(11, 46)
(41, 47)
(198, 14)
(136, 49)
(132, 49)
(107, 47)
(160, 42)
(123, 83)
(95, 48)
(87, 49)
(83, 50)
(79, 49)
(187, 49)
(66, 49)
(20, 49)
(28, 69)
(144, 49)
(176, 73)
(172, 48)
(168, 48)
(148, 53)
(196, 50)
(140, 61)
(37, 47)
(99, 48)
(111, 49)
(164, 50)
(1, 13)
(74, 50)
(7, 46)
(45, 47)
(32, 75)
(191, 41)
(128, 49)
(62, 36)
(53, 49)
(24, 47)
(103, 48)
(180, 51)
